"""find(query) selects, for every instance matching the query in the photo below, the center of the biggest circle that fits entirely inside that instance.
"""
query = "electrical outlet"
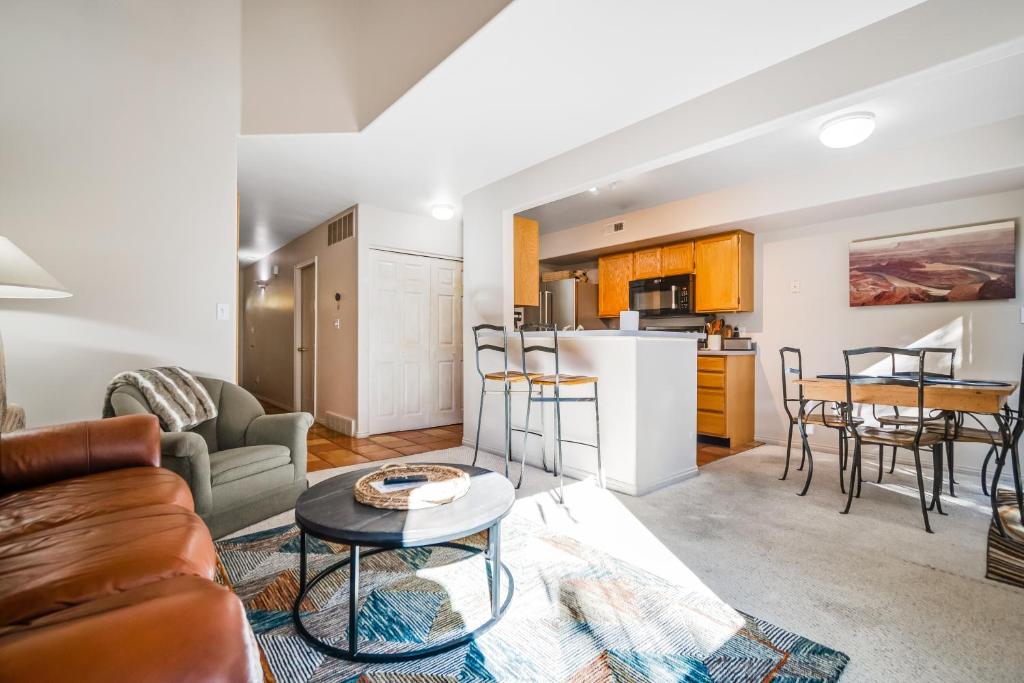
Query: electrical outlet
(222, 311)
(809, 429)
(794, 287)
(337, 323)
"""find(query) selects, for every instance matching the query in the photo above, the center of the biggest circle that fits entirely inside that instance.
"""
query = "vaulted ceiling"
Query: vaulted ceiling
(540, 78)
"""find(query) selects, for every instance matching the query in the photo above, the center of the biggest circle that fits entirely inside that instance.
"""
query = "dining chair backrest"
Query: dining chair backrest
(792, 368)
(931, 352)
(487, 346)
(536, 345)
(912, 379)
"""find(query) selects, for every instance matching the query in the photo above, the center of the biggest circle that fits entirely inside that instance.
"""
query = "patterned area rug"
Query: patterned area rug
(578, 615)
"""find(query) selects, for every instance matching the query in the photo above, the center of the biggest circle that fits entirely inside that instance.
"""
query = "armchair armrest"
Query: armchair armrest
(187, 455)
(287, 429)
(39, 456)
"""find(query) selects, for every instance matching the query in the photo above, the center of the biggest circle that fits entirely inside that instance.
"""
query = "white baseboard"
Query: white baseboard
(903, 456)
(610, 482)
(340, 423)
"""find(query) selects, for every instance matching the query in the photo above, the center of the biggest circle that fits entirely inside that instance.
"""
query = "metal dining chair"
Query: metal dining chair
(1011, 427)
(935, 417)
(507, 379)
(821, 413)
(912, 436)
(557, 381)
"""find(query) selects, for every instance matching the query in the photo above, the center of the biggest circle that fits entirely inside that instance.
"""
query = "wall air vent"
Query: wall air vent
(612, 228)
(341, 228)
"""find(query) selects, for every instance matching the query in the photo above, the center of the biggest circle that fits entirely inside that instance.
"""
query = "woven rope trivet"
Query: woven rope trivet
(444, 485)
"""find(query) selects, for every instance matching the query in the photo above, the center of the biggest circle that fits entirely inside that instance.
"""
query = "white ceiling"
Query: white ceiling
(540, 79)
(985, 91)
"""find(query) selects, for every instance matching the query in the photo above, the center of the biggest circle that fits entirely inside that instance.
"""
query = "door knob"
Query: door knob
(302, 348)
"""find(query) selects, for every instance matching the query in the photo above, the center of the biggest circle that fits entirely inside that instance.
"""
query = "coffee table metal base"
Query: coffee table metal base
(498, 607)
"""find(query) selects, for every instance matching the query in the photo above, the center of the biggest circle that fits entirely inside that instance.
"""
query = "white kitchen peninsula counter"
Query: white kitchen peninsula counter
(648, 400)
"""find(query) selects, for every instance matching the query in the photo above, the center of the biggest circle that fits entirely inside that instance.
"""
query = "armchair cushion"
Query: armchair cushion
(238, 463)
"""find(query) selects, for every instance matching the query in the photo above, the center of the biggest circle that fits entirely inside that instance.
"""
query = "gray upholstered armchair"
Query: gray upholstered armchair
(242, 466)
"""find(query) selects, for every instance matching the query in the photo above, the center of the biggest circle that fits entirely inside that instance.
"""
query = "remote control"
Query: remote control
(405, 479)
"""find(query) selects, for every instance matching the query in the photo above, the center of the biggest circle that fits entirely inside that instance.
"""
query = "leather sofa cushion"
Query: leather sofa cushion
(238, 463)
(70, 500)
(60, 567)
(181, 629)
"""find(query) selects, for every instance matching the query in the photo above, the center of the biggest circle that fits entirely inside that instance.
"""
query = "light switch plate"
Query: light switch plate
(794, 287)
(337, 323)
(222, 311)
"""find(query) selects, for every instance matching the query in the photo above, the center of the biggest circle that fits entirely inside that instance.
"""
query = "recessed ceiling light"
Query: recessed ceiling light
(847, 130)
(442, 212)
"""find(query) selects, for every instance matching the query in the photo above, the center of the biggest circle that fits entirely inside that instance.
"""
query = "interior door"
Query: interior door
(416, 342)
(445, 342)
(399, 350)
(307, 339)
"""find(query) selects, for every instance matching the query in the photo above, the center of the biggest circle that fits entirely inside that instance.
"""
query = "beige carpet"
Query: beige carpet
(905, 605)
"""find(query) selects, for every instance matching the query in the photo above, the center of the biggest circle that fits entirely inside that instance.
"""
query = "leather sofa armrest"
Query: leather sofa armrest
(285, 429)
(40, 456)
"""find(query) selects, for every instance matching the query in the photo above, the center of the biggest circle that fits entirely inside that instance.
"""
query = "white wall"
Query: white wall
(839, 74)
(119, 125)
(819, 320)
(385, 229)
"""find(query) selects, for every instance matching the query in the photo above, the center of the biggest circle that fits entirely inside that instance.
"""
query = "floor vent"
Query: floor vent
(341, 228)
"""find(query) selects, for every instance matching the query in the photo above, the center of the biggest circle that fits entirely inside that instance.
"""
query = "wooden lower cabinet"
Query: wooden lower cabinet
(725, 397)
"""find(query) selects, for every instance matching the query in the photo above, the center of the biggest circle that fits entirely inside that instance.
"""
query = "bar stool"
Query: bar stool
(558, 380)
(507, 378)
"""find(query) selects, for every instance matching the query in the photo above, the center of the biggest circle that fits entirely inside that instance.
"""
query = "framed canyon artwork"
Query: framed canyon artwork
(967, 263)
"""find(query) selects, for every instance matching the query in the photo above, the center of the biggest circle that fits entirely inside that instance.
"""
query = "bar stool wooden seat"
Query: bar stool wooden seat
(507, 378)
(557, 380)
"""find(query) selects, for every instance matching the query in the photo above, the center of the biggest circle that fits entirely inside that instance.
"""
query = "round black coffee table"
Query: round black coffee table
(330, 512)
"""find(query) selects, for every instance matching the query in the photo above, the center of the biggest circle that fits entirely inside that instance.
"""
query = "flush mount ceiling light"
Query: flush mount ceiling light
(442, 212)
(847, 130)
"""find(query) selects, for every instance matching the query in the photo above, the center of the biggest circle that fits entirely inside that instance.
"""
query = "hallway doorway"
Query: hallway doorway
(305, 336)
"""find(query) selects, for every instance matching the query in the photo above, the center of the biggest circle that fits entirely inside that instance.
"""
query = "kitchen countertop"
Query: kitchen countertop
(603, 334)
(737, 352)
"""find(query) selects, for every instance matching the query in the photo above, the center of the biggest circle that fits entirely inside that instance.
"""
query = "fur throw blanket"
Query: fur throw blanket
(177, 398)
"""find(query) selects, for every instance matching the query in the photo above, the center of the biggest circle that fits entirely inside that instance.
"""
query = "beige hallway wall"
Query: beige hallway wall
(268, 349)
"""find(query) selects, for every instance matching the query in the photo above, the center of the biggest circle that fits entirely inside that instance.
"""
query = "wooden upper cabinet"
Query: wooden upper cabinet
(526, 253)
(647, 263)
(725, 273)
(613, 275)
(677, 259)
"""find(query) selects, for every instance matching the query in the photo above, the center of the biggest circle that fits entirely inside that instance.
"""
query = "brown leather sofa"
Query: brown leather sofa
(106, 573)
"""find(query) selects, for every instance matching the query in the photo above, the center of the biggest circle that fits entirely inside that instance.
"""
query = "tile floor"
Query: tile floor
(328, 448)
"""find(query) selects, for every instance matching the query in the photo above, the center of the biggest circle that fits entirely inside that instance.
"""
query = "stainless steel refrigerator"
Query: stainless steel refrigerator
(567, 304)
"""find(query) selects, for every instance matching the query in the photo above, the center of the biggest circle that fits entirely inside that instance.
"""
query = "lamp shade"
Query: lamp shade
(23, 278)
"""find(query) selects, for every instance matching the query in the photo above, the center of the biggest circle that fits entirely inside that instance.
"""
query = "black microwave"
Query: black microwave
(662, 296)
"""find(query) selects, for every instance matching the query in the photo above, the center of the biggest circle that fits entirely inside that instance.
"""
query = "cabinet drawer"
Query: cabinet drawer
(711, 400)
(710, 380)
(711, 423)
(711, 363)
